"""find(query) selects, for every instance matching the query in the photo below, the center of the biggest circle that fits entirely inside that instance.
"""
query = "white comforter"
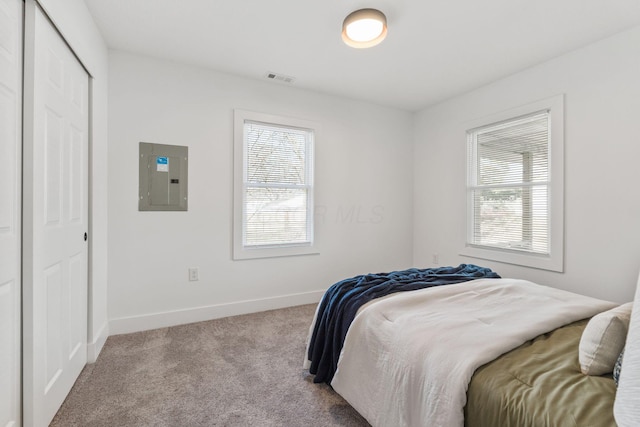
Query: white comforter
(408, 358)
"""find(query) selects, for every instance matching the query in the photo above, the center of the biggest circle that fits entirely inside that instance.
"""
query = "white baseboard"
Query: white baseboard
(125, 325)
(95, 347)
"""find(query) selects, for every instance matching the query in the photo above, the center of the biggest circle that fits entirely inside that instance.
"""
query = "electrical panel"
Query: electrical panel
(163, 177)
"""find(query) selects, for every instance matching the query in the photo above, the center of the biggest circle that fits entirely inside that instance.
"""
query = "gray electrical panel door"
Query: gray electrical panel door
(163, 177)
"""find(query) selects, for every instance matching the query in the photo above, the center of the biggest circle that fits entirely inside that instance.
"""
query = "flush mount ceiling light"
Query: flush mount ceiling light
(364, 28)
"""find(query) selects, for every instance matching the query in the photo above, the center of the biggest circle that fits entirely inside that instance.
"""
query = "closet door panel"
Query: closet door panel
(56, 219)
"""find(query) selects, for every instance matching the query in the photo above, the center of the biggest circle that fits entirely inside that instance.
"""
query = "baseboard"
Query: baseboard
(125, 325)
(94, 348)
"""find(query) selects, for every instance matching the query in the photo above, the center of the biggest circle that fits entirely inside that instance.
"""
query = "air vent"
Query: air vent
(280, 78)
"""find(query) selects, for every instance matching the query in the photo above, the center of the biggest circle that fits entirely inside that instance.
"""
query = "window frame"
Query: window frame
(240, 251)
(554, 261)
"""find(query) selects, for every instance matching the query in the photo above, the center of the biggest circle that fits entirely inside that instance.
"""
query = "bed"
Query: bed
(483, 352)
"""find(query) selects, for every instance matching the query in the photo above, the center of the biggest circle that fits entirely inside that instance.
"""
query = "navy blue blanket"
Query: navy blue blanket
(342, 300)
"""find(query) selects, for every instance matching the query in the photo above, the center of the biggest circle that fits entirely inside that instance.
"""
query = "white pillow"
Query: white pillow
(626, 408)
(603, 339)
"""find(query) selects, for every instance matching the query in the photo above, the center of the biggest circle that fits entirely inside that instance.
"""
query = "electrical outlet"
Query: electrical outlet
(435, 258)
(193, 274)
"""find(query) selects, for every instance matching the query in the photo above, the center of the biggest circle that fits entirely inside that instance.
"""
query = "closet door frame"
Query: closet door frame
(11, 72)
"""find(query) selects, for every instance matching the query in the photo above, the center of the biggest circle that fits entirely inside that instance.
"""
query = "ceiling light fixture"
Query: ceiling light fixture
(364, 28)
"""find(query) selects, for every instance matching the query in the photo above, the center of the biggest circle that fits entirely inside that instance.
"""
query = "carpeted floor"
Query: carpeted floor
(237, 371)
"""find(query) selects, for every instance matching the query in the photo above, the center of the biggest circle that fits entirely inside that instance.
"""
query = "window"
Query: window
(514, 187)
(273, 186)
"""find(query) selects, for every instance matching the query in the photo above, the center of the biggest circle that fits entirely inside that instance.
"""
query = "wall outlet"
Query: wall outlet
(435, 259)
(193, 274)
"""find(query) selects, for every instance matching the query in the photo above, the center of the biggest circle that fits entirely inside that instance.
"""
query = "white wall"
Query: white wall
(73, 20)
(601, 83)
(363, 195)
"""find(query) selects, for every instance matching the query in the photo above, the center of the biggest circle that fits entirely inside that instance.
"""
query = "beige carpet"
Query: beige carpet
(238, 371)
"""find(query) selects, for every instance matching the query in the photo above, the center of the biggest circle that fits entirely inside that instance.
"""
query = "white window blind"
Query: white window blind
(278, 185)
(509, 184)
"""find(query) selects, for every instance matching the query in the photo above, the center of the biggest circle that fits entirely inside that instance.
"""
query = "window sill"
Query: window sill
(242, 253)
(542, 262)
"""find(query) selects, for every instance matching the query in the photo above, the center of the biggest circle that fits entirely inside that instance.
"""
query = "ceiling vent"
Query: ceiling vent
(280, 78)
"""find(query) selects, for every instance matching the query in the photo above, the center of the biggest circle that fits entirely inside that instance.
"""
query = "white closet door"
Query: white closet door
(10, 191)
(55, 219)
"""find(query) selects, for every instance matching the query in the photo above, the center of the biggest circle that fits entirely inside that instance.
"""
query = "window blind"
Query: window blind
(509, 184)
(278, 185)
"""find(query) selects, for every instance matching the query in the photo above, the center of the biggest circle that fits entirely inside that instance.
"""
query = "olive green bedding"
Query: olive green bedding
(540, 384)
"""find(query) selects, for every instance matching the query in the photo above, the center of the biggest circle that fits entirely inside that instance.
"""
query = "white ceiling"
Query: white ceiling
(435, 49)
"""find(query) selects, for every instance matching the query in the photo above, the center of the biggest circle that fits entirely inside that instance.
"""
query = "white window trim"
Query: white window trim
(240, 252)
(555, 260)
